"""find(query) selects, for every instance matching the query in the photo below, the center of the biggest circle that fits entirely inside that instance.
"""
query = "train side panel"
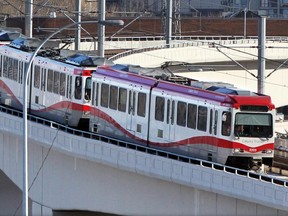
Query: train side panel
(120, 109)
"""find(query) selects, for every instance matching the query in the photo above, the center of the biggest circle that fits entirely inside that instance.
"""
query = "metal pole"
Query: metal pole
(28, 17)
(25, 105)
(261, 53)
(101, 28)
(245, 22)
(168, 22)
(78, 31)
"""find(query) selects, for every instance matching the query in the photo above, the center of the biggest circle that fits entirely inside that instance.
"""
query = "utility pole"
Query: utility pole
(168, 29)
(101, 28)
(28, 18)
(261, 53)
(78, 20)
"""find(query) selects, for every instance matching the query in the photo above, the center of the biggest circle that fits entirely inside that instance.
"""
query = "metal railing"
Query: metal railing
(161, 153)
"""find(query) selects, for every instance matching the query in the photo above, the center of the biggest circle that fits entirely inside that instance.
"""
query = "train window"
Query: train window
(93, 93)
(132, 97)
(14, 69)
(113, 97)
(172, 112)
(5, 66)
(122, 99)
(10, 68)
(181, 113)
(192, 114)
(202, 118)
(215, 122)
(21, 71)
(159, 108)
(88, 88)
(226, 124)
(50, 81)
(36, 76)
(43, 79)
(141, 107)
(56, 82)
(62, 83)
(211, 121)
(104, 95)
(69, 86)
(168, 111)
(78, 88)
(96, 94)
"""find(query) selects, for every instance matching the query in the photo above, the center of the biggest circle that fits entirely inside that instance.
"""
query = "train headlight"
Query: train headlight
(238, 150)
(267, 151)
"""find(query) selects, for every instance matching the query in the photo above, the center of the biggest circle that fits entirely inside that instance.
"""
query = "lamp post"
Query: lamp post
(25, 105)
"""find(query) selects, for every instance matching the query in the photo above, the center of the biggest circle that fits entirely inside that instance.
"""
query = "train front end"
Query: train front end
(252, 132)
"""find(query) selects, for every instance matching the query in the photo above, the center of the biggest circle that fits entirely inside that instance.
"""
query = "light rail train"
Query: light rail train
(211, 121)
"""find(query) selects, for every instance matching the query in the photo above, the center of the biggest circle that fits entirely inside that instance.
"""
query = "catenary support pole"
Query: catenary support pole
(101, 28)
(261, 53)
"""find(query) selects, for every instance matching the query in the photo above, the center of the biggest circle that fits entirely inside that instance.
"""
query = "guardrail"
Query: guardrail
(207, 164)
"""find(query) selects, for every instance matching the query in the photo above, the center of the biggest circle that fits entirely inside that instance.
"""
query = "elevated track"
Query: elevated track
(96, 173)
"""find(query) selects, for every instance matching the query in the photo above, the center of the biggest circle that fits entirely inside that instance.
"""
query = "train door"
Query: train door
(170, 118)
(213, 132)
(162, 124)
(130, 120)
(43, 86)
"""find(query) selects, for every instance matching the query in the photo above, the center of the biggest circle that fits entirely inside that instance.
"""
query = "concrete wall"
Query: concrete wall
(86, 175)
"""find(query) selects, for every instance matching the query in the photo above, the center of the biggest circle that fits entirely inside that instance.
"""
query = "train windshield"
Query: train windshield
(253, 125)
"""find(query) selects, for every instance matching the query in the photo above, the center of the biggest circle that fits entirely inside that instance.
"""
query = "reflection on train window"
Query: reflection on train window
(253, 125)
(211, 121)
(78, 87)
(37, 76)
(181, 113)
(5, 66)
(20, 71)
(43, 79)
(191, 118)
(202, 118)
(50, 81)
(104, 95)
(122, 99)
(113, 97)
(159, 108)
(62, 84)
(56, 82)
(215, 122)
(88, 88)
(141, 106)
(226, 124)
(14, 69)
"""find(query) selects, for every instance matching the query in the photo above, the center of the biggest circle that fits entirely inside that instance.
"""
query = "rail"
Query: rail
(207, 164)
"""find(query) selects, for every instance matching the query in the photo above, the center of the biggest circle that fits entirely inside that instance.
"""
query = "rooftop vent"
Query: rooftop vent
(84, 60)
(32, 43)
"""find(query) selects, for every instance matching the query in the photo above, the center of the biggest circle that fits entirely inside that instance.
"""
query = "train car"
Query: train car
(216, 123)
(58, 88)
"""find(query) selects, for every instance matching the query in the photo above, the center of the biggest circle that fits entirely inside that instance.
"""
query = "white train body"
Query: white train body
(182, 119)
(57, 90)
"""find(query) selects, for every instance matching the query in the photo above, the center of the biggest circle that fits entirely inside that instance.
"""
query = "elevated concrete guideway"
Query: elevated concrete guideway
(69, 172)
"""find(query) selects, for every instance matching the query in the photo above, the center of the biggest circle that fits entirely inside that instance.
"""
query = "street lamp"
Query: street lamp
(25, 105)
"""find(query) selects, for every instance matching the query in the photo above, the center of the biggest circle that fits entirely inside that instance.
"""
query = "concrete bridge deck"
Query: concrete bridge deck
(72, 172)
